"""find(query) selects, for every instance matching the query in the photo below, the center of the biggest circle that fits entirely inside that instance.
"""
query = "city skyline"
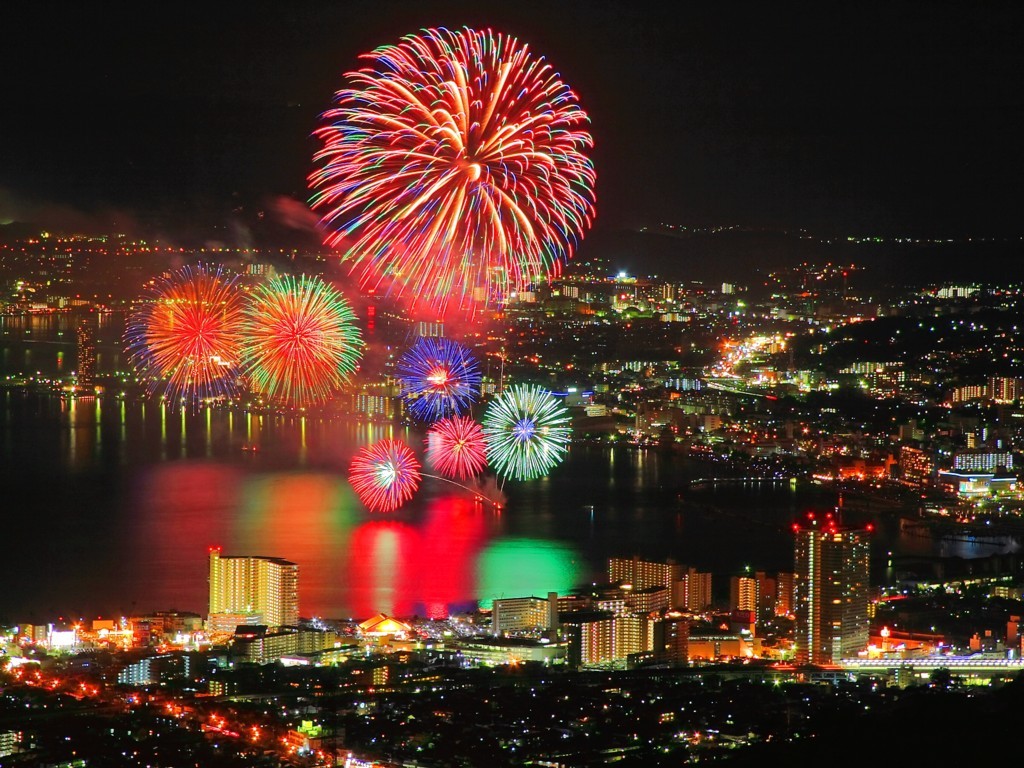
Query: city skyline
(631, 383)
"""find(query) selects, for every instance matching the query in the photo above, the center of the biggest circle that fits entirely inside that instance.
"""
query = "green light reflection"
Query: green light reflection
(524, 567)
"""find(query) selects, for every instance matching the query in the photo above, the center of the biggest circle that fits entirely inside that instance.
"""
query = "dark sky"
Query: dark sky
(856, 118)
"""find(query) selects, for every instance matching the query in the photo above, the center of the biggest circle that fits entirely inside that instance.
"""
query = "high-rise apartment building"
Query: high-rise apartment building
(252, 590)
(670, 636)
(982, 460)
(785, 587)
(744, 594)
(643, 574)
(831, 591)
(693, 590)
(85, 335)
(601, 638)
(523, 613)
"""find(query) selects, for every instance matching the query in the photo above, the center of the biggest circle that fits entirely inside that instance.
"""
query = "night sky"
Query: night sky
(853, 119)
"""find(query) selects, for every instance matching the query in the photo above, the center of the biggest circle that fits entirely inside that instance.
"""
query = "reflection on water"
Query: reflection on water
(110, 506)
(45, 344)
(149, 489)
(517, 567)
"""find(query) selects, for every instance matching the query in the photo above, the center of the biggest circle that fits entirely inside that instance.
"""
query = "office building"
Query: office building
(260, 590)
(831, 591)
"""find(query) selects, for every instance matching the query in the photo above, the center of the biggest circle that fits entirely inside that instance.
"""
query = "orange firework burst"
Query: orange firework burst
(302, 343)
(185, 338)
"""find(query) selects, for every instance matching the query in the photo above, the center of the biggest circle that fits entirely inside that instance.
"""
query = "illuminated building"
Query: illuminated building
(744, 593)
(9, 742)
(693, 591)
(831, 591)
(491, 652)
(982, 460)
(670, 635)
(719, 646)
(85, 334)
(600, 638)
(376, 406)
(785, 586)
(383, 625)
(164, 625)
(264, 588)
(519, 613)
(649, 599)
(975, 485)
(260, 645)
(140, 672)
(917, 467)
(1004, 390)
(642, 574)
(629, 636)
(425, 328)
(1000, 389)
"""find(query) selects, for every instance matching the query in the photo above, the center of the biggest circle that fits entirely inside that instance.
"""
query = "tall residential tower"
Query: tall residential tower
(831, 591)
(252, 590)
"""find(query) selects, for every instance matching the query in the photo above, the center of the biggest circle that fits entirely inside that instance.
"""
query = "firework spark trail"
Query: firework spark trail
(527, 430)
(185, 339)
(439, 378)
(454, 168)
(301, 340)
(456, 447)
(385, 475)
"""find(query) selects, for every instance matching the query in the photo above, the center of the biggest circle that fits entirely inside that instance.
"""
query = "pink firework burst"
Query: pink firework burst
(385, 475)
(456, 447)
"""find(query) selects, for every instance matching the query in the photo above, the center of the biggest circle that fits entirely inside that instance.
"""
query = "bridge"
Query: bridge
(736, 390)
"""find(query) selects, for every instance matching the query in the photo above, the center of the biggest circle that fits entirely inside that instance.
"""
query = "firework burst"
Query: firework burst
(456, 447)
(301, 340)
(454, 167)
(439, 378)
(385, 475)
(185, 339)
(526, 429)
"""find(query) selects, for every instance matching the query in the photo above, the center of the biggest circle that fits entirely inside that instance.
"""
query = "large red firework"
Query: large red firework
(454, 168)
(385, 475)
(185, 338)
(456, 447)
(302, 342)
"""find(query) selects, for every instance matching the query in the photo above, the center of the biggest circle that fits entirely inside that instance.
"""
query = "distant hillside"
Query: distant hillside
(732, 255)
(737, 255)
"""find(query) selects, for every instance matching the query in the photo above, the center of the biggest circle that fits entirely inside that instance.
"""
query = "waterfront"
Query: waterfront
(136, 493)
